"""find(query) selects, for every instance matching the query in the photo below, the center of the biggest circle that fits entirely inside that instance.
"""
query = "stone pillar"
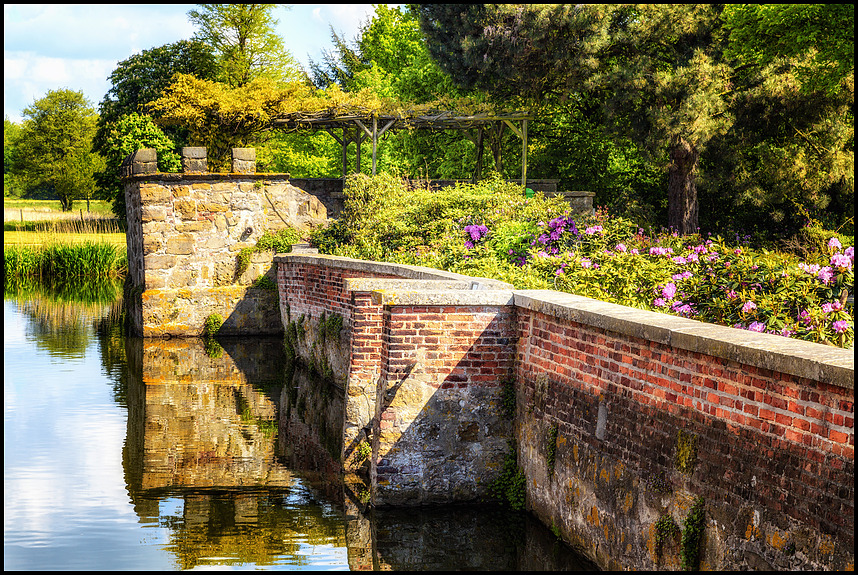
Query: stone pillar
(244, 160)
(194, 160)
(143, 161)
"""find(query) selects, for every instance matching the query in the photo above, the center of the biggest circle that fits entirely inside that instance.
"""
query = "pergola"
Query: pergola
(358, 127)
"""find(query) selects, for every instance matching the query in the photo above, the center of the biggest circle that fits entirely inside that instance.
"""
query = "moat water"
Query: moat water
(123, 453)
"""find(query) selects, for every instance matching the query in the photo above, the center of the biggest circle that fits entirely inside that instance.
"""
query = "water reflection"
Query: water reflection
(230, 458)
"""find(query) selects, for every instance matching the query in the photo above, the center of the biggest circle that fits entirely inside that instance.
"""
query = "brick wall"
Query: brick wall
(644, 426)
(624, 417)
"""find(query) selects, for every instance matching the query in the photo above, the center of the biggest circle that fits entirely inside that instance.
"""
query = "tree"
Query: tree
(131, 133)
(243, 37)
(820, 36)
(55, 146)
(11, 134)
(658, 65)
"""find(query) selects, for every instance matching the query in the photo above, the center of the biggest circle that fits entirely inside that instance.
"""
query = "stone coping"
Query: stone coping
(201, 176)
(396, 284)
(827, 364)
(402, 270)
(459, 297)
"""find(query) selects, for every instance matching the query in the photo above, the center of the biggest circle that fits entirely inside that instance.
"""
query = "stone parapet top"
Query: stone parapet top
(393, 284)
(828, 364)
(402, 270)
(454, 297)
(202, 176)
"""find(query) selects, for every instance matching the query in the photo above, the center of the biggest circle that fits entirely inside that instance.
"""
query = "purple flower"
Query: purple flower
(559, 272)
(669, 290)
(732, 294)
(593, 230)
(620, 247)
(749, 305)
(692, 257)
(850, 253)
(810, 269)
(634, 252)
(757, 326)
(830, 307)
(804, 316)
(679, 260)
(585, 263)
(834, 243)
(469, 244)
(840, 326)
(659, 302)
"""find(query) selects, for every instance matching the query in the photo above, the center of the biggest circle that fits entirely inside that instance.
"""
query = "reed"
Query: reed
(59, 260)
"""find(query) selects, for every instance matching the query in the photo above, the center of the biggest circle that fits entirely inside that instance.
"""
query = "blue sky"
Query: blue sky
(77, 46)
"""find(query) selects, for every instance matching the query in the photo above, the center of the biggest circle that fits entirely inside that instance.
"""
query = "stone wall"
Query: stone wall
(185, 232)
(626, 420)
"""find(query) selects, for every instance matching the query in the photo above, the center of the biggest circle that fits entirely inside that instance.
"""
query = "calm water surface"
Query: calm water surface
(122, 453)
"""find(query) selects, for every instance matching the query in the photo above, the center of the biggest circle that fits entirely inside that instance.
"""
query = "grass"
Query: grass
(100, 208)
(57, 246)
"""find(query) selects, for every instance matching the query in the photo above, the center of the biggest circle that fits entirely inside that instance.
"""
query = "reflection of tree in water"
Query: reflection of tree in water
(250, 527)
(63, 315)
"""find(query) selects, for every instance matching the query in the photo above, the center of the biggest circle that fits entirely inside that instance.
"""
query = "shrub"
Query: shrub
(491, 229)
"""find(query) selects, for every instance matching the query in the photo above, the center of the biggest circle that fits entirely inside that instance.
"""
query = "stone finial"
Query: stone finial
(244, 160)
(143, 161)
(194, 160)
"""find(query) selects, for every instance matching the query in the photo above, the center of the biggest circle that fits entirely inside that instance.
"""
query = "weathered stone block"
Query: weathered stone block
(151, 244)
(153, 213)
(200, 226)
(194, 160)
(186, 208)
(159, 262)
(153, 193)
(180, 245)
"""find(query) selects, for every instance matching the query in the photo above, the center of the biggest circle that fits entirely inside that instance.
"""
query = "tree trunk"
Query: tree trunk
(682, 189)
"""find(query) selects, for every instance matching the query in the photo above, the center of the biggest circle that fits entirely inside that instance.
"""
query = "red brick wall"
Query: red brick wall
(769, 442)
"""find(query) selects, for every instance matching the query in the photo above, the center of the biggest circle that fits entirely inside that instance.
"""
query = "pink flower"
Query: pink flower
(669, 291)
(659, 302)
(737, 251)
(840, 326)
(810, 269)
(825, 275)
(620, 247)
(749, 305)
(679, 260)
(830, 307)
(593, 230)
(634, 251)
(585, 263)
(732, 294)
(841, 261)
(834, 243)
(757, 326)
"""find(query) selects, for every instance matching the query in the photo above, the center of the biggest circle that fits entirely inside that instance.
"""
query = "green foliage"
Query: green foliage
(363, 451)
(665, 530)
(243, 37)
(280, 242)
(597, 256)
(132, 132)
(692, 533)
(266, 283)
(54, 146)
(212, 325)
(761, 33)
(551, 448)
(686, 452)
(510, 485)
(63, 261)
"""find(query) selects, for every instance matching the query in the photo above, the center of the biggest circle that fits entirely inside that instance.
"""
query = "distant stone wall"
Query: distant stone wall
(185, 232)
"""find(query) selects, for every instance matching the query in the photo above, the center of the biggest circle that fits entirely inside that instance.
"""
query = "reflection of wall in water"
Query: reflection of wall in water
(200, 421)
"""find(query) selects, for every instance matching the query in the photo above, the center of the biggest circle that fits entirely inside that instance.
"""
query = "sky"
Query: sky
(77, 46)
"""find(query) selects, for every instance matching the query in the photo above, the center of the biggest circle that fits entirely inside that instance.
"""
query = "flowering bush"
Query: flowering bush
(492, 230)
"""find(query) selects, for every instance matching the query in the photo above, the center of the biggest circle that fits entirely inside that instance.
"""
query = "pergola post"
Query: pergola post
(374, 141)
(524, 153)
